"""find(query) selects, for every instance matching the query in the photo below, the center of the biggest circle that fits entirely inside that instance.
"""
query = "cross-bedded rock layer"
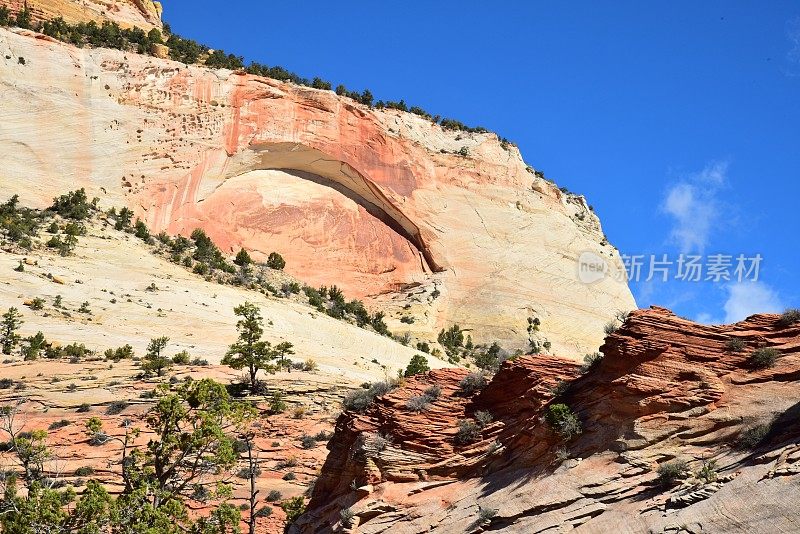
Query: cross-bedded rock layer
(667, 388)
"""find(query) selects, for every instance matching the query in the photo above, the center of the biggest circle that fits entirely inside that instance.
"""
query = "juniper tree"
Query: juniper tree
(417, 365)
(154, 360)
(194, 448)
(250, 351)
(243, 258)
(282, 350)
(9, 328)
(276, 261)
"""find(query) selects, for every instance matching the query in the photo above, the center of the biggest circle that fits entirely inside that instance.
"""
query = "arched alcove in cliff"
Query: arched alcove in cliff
(335, 225)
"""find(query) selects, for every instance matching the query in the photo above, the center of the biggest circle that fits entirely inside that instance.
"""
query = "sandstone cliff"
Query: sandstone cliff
(667, 388)
(378, 202)
(144, 14)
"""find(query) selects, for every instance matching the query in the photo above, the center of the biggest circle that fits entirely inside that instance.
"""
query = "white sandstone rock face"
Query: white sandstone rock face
(379, 203)
(145, 14)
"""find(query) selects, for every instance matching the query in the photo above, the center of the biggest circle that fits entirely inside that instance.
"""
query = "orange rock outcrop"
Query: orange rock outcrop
(145, 14)
(667, 388)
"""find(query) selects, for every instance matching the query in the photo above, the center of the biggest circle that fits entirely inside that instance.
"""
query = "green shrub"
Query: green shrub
(752, 436)
(84, 471)
(735, 344)
(141, 231)
(590, 361)
(610, 328)
(671, 472)
(74, 229)
(763, 358)
(181, 358)
(708, 473)
(563, 420)
(274, 495)
(243, 258)
(276, 261)
(452, 339)
(560, 388)
(485, 515)
(219, 60)
(246, 473)
(264, 511)
(433, 392)
(789, 317)
(276, 403)
(419, 403)
(308, 442)
(74, 351)
(116, 407)
(59, 424)
(379, 325)
(124, 352)
(73, 205)
(417, 365)
(472, 383)
(32, 346)
(468, 432)
(360, 399)
(293, 508)
(347, 516)
(154, 360)
(10, 324)
(483, 418)
(322, 435)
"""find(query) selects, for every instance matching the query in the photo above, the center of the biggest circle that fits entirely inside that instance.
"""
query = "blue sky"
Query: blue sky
(679, 121)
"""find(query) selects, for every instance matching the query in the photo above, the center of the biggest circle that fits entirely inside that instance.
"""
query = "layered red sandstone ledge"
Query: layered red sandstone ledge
(658, 369)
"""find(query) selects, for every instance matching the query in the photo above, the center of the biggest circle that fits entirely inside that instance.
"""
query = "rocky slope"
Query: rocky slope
(380, 202)
(134, 295)
(114, 289)
(667, 389)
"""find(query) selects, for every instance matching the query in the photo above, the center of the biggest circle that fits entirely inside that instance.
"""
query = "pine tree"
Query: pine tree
(243, 258)
(154, 360)
(417, 365)
(250, 351)
(9, 328)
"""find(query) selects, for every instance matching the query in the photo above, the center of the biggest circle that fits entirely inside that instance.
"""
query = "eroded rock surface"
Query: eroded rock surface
(666, 389)
(145, 14)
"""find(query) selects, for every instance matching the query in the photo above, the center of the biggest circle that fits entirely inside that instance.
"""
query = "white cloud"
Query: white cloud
(792, 67)
(707, 318)
(793, 33)
(747, 298)
(693, 205)
(743, 300)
